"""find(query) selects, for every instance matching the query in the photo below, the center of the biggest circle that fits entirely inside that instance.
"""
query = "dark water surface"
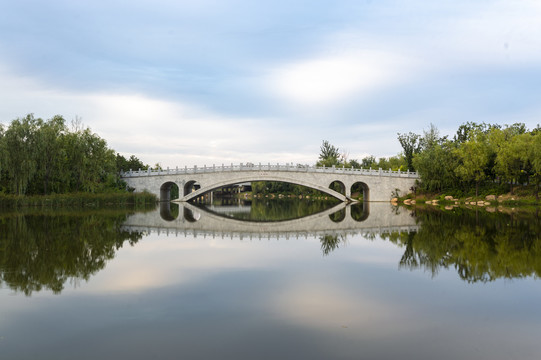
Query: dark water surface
(183, 282)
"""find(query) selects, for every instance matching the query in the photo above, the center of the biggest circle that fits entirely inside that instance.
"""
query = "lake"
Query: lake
(268, 279)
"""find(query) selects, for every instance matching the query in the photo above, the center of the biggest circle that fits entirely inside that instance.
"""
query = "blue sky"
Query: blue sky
(211, 82)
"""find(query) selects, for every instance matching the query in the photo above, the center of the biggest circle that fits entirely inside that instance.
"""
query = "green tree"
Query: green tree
(534, 158)
(329, 155)
(411, 144)
(132, 163)
(49, 152)
(19, 155)
(355, 164)
(435, 165)
(512, 158)
(368, 161)
(473, 156)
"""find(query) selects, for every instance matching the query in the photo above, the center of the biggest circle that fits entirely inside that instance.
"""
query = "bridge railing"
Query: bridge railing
(252, 235)
(267, 167)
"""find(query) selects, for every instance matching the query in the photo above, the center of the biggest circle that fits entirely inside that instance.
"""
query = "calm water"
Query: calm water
(364, 282)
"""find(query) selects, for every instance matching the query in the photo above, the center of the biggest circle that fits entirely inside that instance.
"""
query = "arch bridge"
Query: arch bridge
(377, 185)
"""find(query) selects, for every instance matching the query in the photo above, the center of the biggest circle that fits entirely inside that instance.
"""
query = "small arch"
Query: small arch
(169, 191)
(338, 216)
(338, 186)
(190, 187)
(360, 191)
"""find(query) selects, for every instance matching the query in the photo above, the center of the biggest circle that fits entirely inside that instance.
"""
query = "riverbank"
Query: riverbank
(119, 199)
(507, 203)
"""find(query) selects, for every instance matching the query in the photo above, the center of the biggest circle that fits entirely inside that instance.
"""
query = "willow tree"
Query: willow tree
(473, 157)
(19, 157)
(512, 158)
(534, 157)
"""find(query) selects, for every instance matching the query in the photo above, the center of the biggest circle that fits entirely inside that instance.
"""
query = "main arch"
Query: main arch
(219, 184)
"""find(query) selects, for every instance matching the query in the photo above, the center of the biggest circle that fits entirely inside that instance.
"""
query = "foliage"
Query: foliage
(132, 163)
(329, 155)
(89, 200)
(480, 155)
(46, 157)
(481, 246)
(279, 187)
(44, 250)
(411, 144)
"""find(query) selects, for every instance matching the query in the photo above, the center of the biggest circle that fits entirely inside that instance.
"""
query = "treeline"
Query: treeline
(331, 155)
(39, 157)
(478, 154)
(280, 187)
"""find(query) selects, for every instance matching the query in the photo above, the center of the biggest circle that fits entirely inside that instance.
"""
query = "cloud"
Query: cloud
(183, 83)
(330, 80)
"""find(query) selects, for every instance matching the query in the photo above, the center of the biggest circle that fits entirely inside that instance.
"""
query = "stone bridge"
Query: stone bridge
(376, 218)
(377, 185)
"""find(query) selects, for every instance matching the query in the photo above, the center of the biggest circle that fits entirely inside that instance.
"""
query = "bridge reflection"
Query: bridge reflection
(342, 219)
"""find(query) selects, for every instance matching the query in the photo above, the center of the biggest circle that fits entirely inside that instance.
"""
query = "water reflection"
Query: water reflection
(329, 243)
(244, 220)
(264, 210)
(45, 249)
(481, 246)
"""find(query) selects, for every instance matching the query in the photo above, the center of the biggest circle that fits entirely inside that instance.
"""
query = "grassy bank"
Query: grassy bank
(121, 199)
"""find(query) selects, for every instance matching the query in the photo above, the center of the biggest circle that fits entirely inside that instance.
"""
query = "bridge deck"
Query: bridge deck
(268, 167)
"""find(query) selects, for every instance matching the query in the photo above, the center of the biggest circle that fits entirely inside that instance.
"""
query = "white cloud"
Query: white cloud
(173, 133)
(328, 80)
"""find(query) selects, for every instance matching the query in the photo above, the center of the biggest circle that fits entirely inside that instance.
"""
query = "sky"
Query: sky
(204, 82)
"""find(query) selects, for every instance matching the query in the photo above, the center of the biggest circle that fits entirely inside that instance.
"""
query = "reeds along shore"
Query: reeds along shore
(137, 199)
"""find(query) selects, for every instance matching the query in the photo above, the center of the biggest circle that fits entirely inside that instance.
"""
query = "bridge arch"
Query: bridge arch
(358, 188)
(254, 177)
(338, 186)
(189, 187)
(169, 191)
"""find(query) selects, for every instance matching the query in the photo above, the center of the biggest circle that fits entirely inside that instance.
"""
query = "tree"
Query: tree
(329, 155)
(49, 150)
(19, 154)
(355, 164)
(411, 145)
(368, 161)
(435, 165)
(466, 130)
(132, 163)
(534, 158)
(512, 158)
(473, 157)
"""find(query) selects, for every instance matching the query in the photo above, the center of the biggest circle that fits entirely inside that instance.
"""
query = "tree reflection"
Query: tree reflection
(329, 243)
(44, 250)
(270, 210)
(481, 246)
